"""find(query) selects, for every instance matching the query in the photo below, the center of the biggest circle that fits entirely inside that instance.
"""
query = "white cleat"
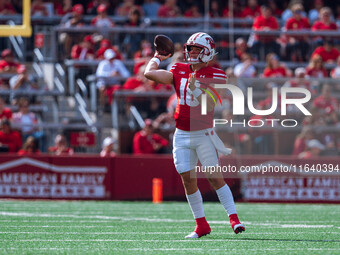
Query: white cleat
(192, 235)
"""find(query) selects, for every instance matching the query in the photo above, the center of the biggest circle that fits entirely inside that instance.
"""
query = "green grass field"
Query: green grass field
(62, 227)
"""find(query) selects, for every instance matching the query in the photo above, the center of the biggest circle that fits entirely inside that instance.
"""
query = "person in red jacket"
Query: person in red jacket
(252, 10)
(10, 138)
(5, 113)
(297, 46)
(324, 23)
(265, 22)
(29, 147)
(7, 63)
(274, 68)
(316, 67)
(147, 142)
(60, 147)
(328, 53)
(83, 50)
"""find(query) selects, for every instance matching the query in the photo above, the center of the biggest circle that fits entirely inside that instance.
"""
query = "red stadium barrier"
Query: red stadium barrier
(128, 177)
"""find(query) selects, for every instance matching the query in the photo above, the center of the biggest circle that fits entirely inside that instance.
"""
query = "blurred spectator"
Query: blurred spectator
(83, 50)
(335, 73)
(9, 137)
(150, 8)
(143, 55)
(287, 13)
(328, 53)
(64, 8)
(324, 23)
(6, 8)
(316, 68)
(169, 9)
(215, 12)
(109, 72)
(252, 10)
(132, 40)
(29, 147)
(126, 6)
(105, 45)
(5, 112)
(60, 147)
(38, 8)
(7, 63)
(23, 82)
(326, 101)
(266, 43)
(313, 14)
(300, 80)
(275, 69)
(193, 12)
(147, 142)
(92, 6)
(73, 19)
(235, 12)
(300, 143)
(297, 46)
(241, 47)
(245, 69)
(28, 122)
(276, 11)
(314, 149)
(108, 147)
(138, 82)
(102, 19)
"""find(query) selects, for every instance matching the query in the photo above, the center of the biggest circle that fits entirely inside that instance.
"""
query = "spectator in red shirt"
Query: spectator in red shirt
(5, 112)
(108, 148)
(300, 143)
(241, 48)
(83, 50)
(328, 53)
(299, 80)
(325, 101)
(147, 142)
(314, 149)
(105, 45)
(73, 19)
(265, 22)
(102, 19)
(38, 8)
(169, 9)
(6, 8)
(9, 137)
(315, 67)
(60, 147)
(7, 63)
(193, 12)
(63, 9)
(29, 147)
(252, 10)
(297, 46)
(277, 12)
(236, 12)
(324, 23)
(274, 68)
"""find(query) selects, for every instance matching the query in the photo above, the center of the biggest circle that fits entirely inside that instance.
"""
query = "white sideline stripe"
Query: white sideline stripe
(50, 167)
(21, 214)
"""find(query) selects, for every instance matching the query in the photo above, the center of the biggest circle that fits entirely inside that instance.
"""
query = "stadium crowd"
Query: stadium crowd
(314, 56)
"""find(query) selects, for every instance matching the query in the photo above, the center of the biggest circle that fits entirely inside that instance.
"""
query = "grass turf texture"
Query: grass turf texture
(62, 227)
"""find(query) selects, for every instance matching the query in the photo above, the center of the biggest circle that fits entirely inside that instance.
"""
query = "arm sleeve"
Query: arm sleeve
(101, 70)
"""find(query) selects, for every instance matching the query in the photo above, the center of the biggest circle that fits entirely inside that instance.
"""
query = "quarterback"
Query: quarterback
(195, 137)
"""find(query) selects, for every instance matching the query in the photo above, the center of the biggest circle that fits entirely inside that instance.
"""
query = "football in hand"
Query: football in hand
(164, 45)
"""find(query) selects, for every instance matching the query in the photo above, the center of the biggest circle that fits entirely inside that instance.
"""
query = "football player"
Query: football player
(195, 137)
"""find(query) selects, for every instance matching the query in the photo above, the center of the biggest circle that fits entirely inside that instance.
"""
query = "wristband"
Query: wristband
(197, 92)
(156, 60)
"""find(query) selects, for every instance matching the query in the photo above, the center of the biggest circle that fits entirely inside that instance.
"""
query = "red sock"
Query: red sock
(234, 219)
(202, 227)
